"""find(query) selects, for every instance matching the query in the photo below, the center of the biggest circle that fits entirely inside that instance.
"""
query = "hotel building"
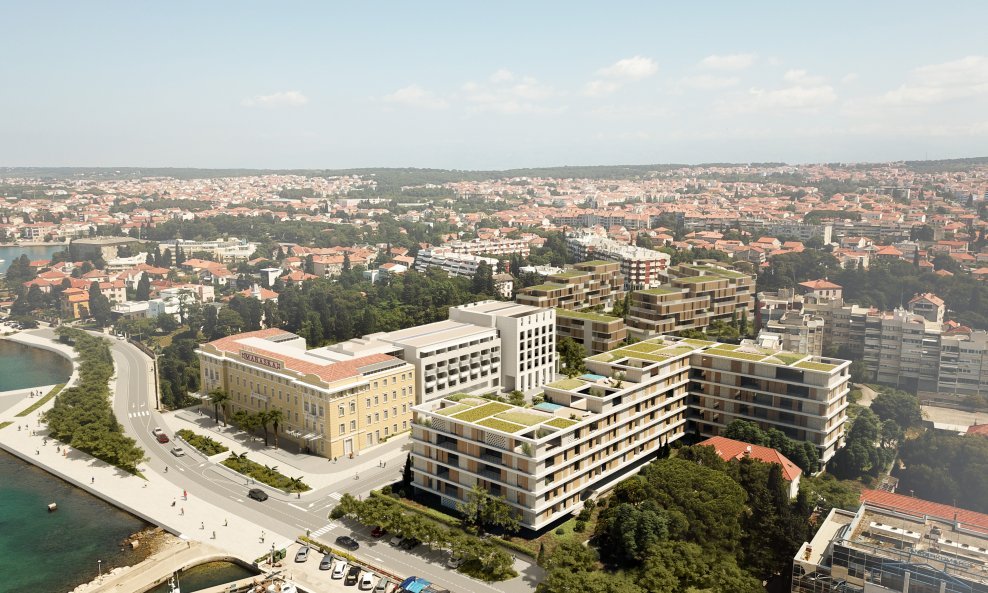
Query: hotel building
(895, 544)
(333, 404)
(593, 430)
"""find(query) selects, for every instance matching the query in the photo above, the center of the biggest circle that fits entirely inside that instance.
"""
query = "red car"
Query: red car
(378, 532)
(162, 438)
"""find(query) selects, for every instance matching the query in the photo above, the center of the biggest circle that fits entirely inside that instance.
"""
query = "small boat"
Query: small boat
(274, 583)
(52, 507)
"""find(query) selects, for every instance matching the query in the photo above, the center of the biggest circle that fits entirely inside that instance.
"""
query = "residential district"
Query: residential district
(721, 378)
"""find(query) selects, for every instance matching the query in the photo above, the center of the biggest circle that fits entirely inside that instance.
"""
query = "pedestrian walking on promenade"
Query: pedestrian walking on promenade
(262, 537)
(92, 480)
(182, 512)
(202, 525)
(214, 535)
(224, 523)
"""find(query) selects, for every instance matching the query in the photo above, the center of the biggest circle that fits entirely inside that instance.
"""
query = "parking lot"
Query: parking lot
(309, 576)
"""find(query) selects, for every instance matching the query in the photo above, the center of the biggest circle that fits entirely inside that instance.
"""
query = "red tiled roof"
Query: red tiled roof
(920, 507)
(329, 373)
(729, 449)
(820, 284)
(978, 429)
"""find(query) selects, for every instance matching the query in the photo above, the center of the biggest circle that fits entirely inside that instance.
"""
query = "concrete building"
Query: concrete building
(454, 264)
(641, 268)
(528, 340)
(221, 250)
(333, 404)
(902, 349)
(803, 396)
(963, 368)
(587, 284)
(448, 356)
(929, 305)
(695, 297)
(491, 246)
(105, 248)
(593, 430)
(797, 332)
(895, 543)
(596, 332)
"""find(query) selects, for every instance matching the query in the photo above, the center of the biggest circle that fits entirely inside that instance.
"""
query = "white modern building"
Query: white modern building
(491, 246)
(641, 267)
(528, 339)
(223, 250)
(453, 263)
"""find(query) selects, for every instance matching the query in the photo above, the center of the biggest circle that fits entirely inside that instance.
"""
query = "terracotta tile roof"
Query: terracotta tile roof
(921, 508)
(978, 429)
(729, 449)
(820, 285)
(332, 372)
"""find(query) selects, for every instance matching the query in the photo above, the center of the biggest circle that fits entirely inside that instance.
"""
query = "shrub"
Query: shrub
(579, 526)
(265, 474)
(560, 531)
(201, 443)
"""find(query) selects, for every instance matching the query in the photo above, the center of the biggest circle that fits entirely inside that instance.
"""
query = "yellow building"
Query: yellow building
(333, 404)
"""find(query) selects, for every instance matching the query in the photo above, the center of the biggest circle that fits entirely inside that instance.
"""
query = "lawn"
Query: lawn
(523, 418)
(42, 401)
(561, 423)
(567, 384)
(788, 358)
(738, 355)
(816, 366)
(480, 412)
(495, 424)
(454, 409)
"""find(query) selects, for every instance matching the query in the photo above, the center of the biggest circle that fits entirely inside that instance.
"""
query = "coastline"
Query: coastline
(36, 244)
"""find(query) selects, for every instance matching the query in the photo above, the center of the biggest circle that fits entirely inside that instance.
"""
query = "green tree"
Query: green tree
(902, 407)
(99, 306)
(482, 510)
(218, 397)
(228, 323)
(571, 355)
(276, 416)
(143, 288)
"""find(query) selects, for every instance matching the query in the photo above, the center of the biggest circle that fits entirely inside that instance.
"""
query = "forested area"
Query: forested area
(946, 468)
(82, 415)
(688, 523)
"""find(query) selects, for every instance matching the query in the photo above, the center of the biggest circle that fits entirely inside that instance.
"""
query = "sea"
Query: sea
(35, 252)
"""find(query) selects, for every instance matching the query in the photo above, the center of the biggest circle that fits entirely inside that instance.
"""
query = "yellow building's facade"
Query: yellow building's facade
(333, 405)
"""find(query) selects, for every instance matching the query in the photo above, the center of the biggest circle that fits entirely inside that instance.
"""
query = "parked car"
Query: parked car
(157, 431)
(396, 540)
(340, 569)
(378, 531)
(347, 542)
(257, 494)
(409, 543)
(367, 581)
(382, 585)
(351, 576)
(178, 451)
(162, 437)
(302, 555)
(454, 561)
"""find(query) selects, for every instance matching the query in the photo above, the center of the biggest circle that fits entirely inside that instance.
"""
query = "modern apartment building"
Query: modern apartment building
(596, 332)
(592, 430)
(963, 363)
(803, 396)
(895, 543)
(333, 404)
(587, 284)
(501, 246)
(528, 339)
(903, 349)
(694, 298)
(641, 268)
(453, 263)
(796, 332)
(449, 356)
(222, 250)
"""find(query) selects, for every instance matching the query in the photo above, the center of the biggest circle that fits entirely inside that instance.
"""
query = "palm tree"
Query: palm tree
(295, 484)
(275, 416)
(263, 419)
(218, 397)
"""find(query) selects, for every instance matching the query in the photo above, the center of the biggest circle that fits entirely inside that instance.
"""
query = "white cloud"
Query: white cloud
(510, 95)
(936, 83)
(728, 62)
(707, 82)
(280, 99)
(598, 88)
(416, 96)
(801, 77)
(502, 75)
(805, 93)
(849, 78)
(634, 68)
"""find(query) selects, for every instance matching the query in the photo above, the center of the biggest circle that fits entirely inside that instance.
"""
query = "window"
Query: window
(342, 410)
(342, 428)
(368, 402)
(353, 407)
(353, 425)
(385, 398)
(385, 414)
(368, 418)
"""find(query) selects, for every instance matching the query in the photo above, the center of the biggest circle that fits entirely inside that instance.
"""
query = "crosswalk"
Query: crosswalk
(143, 414)
(323, 530)
(336, 496)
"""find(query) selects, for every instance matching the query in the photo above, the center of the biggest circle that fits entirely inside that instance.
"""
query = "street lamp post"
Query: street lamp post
(99, 569)
(272, 554)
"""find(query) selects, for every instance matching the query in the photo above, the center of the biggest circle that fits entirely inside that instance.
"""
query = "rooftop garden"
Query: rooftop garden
(695, 279)
(789, 357)
(658, 290)
(586, 315)
(567, 384)
(594, 262)
(480, 412)
(737, 355)
(561, 423)
(545, 287)
(503, 426)
(816, 366)
(455, 409)
(695, 342)
(719, 271)
(524, 418)
(569, 274)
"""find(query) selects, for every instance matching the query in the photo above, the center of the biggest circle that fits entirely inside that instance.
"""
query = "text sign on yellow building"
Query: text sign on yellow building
(261, 360)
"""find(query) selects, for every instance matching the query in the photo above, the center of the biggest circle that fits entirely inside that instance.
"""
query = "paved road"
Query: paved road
(134, 407)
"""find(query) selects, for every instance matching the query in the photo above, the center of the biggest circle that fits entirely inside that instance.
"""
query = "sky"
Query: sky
(489, 85)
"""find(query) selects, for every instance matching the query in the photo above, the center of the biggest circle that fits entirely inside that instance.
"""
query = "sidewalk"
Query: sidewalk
(318, 472)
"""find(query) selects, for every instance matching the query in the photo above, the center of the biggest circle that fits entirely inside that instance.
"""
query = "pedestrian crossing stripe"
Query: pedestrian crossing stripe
(336, 496)
(322, 530)
(139, 414)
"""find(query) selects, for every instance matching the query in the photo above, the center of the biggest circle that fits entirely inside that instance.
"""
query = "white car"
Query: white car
(178, 451)
(367, 581)
(340, 569)
(157, 430)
